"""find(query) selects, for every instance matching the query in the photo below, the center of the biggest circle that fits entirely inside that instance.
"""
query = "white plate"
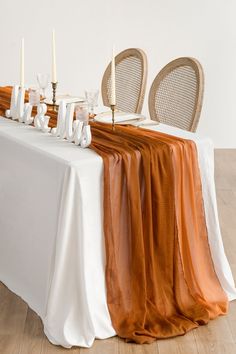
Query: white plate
(66, 98)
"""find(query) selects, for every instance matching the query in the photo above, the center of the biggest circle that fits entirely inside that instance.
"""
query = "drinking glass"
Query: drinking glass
(92, 99)
(81, 112)
(34, 96)
(43, 80)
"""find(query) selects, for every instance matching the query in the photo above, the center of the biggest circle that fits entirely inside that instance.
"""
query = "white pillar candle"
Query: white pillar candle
(54, 67)
(113, 79)
(22, 63)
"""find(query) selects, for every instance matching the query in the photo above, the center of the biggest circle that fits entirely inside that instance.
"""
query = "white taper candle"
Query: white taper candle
(22, 63)
(113, 79)
(54, 67)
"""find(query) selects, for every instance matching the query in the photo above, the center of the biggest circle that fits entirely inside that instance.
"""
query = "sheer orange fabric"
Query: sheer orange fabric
(159, 273)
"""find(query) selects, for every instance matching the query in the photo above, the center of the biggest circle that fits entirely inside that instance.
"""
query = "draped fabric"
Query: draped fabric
(5, 99)
(160, 276)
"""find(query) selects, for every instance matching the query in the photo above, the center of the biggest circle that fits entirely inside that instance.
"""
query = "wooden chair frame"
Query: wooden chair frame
(139, 53)
(184, 61)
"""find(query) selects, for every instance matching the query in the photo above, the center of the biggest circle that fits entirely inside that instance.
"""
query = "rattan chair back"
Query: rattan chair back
(176, 94)
(131, 79)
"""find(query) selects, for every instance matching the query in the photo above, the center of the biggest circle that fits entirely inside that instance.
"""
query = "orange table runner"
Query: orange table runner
(160, 276)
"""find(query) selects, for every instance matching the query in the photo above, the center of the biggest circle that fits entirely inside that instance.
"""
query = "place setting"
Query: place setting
(65, 106)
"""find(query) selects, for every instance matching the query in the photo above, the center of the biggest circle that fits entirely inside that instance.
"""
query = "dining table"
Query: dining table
(52, 251)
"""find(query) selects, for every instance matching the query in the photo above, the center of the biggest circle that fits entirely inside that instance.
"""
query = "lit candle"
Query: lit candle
(22, 63)
(113, 79)
(54, 67)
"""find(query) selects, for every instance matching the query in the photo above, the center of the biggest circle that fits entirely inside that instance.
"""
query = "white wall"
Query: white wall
(165, 29)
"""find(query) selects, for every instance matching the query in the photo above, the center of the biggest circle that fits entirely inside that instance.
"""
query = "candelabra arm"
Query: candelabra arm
(113, 115)
(54, 90)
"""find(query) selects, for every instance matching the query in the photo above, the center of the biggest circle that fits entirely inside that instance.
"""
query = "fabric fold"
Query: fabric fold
(160, 276)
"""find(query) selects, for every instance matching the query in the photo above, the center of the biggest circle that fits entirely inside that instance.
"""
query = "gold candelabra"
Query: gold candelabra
(113, 106)
(54, 89)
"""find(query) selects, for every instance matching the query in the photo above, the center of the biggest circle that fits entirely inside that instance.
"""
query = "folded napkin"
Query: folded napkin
(120, 117)
(66, 98)
(145, 123)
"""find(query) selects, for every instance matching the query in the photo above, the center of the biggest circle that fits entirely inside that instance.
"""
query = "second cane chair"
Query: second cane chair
(131, 79)
(176, 94)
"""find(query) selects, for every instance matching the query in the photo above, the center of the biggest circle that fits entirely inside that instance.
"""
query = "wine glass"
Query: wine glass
(43, 80)
(92, 99)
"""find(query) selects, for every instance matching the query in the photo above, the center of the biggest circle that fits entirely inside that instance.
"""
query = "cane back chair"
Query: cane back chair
(176, 94)
(131, 79)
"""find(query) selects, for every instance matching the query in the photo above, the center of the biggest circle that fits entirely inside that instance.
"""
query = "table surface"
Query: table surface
(51, 216)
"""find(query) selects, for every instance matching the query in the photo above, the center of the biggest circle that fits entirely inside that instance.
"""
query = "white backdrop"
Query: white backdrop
(164, 29)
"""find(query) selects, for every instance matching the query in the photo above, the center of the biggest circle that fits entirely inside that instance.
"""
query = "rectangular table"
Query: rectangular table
(51, 229)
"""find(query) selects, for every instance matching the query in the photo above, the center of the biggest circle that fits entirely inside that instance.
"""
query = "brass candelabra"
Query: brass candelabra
(113, 106)
(54, 89)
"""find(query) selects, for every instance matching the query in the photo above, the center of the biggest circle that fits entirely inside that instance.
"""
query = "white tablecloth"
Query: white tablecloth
(51, 230)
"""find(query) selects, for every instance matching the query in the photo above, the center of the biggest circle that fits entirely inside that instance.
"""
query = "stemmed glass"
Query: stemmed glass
(43, 80)
(92, 100)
